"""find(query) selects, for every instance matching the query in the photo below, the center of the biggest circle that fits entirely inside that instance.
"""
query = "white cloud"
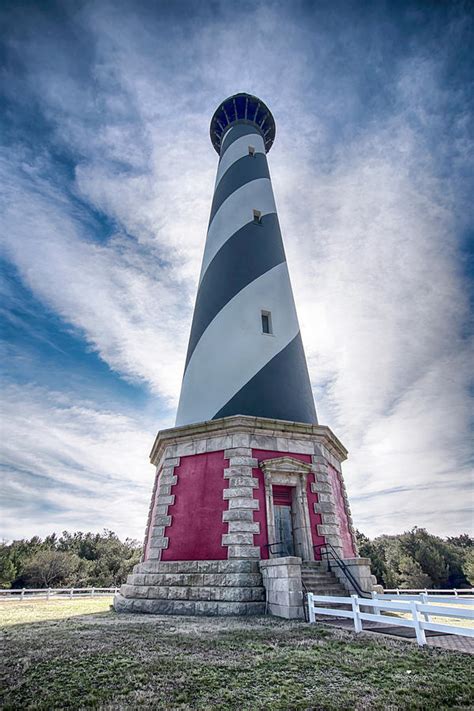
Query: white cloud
(370, 222)
(71, 465)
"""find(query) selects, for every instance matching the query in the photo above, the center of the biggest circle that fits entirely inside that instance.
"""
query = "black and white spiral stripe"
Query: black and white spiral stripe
(231, 366)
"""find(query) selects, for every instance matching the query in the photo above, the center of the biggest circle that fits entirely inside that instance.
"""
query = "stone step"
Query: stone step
(218, 594)
(198, 566)
(196, 579)
(187, 607)
(337, 592)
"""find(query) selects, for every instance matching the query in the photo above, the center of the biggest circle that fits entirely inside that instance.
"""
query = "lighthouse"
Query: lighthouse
(245, 354)
(249, 506)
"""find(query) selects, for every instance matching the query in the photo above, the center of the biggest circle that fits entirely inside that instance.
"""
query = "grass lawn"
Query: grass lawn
(77, 654)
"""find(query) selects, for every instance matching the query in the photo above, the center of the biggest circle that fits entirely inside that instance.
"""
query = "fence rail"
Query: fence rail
(428, 591)
(419, 609)
(49, 593)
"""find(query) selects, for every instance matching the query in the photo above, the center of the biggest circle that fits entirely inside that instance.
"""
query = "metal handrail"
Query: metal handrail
(329, 551)
(276, 543)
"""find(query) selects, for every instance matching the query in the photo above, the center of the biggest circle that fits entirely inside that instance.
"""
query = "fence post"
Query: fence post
(420, 633)
(22, 594)
(48, 594)
(312, 617)
(425, 600)
(455, 592)
(92, 592)
(71, 593)
(375, 596)
(397, 591)
(356, 613)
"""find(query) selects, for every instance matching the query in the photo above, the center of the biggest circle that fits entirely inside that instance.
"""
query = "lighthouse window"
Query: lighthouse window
(266, 322)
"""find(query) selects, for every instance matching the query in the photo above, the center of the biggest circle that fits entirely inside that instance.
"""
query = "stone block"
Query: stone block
(161, 509)
(289, 613)
(182, 607)
(168, 480)
(324, 497)
(329, 518)
(215, 444)
(244, 526)
(171, 462)
(330, 529)
(230, 472)
(263, 442)
(243, 503)
(164, 489)
(167, 500)
(159, 542)
(157, 532)
(321, 486)
(324, 507)
(244, 552)
(232, 608)
(237, 452)
(241, 440)
(239, 491)
(201, 446)
(185, 449)
(285, 584)
(243, 462)
(238, 515)
(203, 607)
(238, 539)
(243, 481)
(162, 520)
(241, 566)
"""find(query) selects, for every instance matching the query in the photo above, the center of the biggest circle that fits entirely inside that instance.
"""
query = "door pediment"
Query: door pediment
(285, 465)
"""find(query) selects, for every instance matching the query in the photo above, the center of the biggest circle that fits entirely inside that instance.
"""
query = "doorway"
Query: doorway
(283, 514)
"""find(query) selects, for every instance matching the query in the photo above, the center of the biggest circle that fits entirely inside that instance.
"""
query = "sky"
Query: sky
(107, 172)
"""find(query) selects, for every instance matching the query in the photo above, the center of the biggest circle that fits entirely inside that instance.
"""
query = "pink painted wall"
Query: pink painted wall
(347, 543)
(196, 527)
(262, 539)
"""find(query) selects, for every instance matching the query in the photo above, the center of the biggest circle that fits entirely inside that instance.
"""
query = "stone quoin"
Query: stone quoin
(248, 485)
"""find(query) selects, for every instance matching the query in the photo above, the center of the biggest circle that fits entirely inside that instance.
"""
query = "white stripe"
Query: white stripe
(234, 213)
(226, 135)
(238, 149)
(233, 348)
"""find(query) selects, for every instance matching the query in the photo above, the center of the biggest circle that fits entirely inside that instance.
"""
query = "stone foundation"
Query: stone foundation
(197, 587)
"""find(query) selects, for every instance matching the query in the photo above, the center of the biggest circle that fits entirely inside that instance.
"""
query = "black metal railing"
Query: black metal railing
(332, 558)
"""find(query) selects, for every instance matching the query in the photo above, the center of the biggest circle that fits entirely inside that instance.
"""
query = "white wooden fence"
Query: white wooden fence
(457, 592)
(58, 593)
(419, 610)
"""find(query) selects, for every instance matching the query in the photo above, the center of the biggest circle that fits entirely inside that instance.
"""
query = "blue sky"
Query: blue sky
(107, 173)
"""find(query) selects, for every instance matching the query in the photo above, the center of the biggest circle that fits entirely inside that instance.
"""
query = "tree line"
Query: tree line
(73, 559)
(414, 559)
(417, 559)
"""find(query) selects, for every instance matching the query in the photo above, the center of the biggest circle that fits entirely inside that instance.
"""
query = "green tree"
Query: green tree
(48, 568)
(411, 574)
(468, 567)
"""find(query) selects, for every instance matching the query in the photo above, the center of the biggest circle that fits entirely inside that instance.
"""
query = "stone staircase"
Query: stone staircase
(209, 587)
(317, 580)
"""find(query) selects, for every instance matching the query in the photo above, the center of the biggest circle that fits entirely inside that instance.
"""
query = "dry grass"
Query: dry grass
(76, 658)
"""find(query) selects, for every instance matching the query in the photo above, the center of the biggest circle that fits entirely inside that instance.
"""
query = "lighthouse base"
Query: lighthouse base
(239, 507)
(194, 587)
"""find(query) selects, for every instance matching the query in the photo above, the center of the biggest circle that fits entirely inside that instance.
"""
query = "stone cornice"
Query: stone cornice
(246, 424)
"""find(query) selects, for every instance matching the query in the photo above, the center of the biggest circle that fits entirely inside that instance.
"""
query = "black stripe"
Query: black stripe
(281, 390)
(239, 130)
(249, 253)
(243, 171)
